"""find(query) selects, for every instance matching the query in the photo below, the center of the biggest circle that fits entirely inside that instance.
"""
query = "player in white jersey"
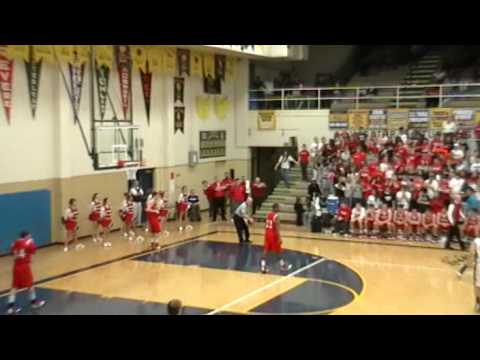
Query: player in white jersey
(475, 251)
(357, 221)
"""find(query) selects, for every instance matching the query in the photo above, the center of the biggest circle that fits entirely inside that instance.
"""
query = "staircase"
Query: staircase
(285, 197)
(420, 73)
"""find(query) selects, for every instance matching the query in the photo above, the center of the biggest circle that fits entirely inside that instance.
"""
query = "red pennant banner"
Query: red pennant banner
(124, 74)
(6, 80)
(146, 78)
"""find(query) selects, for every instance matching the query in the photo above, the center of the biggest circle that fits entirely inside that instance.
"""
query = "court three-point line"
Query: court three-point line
(265, 287)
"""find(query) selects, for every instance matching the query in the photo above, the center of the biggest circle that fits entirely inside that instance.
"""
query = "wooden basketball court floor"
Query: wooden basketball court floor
(211, 274)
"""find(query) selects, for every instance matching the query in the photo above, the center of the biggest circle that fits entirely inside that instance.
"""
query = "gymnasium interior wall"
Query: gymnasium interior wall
(302, 124)
(48, 153)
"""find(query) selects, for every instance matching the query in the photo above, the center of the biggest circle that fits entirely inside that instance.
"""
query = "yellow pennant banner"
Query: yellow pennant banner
(139, 57)
(104, 55)
(81, 54)
(43, 52)
(202, 106)
(18, 52)
(230, 68)
(222, 105)
(155, 59)
(169, 60)
(65, 53)
(195, 64)
(208, 65)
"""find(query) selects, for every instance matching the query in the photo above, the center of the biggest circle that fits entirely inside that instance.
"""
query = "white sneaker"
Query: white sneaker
(130, 238)
(65, 249)
(140, 239)
(107, 244)
(38, 304)
(13, 311)
(131, 233)
(180, 228)
(94, 239)
(146, 229)
(125, 235)
(79, 247)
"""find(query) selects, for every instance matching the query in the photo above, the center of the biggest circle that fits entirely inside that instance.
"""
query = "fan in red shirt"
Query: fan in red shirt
(209, 192)
(273, 240)
(359, 159)
(304, 157)
(237, 195)
(343, 219)
(23, 250)
(259, 189)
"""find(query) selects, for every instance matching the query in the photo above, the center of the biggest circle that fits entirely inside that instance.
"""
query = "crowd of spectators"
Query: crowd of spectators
(399, 185)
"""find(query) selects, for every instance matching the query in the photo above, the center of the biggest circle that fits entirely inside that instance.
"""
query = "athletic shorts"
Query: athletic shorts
(22, 276)
(272, 244)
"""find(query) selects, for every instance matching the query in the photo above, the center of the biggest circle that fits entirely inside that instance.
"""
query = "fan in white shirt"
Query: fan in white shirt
(456, 184)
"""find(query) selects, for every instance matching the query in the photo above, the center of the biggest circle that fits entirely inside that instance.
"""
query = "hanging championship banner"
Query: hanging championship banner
(203, 106)
(179, 119)
(196, 64)
(169, 60)
(183, 61)
(338, 121)
(266, 120)
(230, 68)
(438, 117)
(178, 90)
(122, 53)
(464, 117)
(155, 58)
(418, 118)
(103, 74)
(208, 66)
(377, 119)
(222, 105)
(21, 52)
(220, 67)
(146, 79)
(76, 72)
(397, 118)
(6, 80)
(139, 57)
(358, 119)
(34, 69)
(104, 55)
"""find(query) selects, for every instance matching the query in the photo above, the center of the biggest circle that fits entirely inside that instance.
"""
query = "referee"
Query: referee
(241, 220)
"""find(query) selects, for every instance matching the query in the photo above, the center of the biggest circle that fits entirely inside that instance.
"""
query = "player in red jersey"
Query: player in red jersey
(94, 216)
(472, 226)
(127, 215)
(23, 249)
(400, 222)
(70, 221)
(414, 220)
(153, 213)
(273, 240)
(429, 224)
(105, 222)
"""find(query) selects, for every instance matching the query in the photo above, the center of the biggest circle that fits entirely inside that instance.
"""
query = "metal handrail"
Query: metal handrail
(272, 95)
